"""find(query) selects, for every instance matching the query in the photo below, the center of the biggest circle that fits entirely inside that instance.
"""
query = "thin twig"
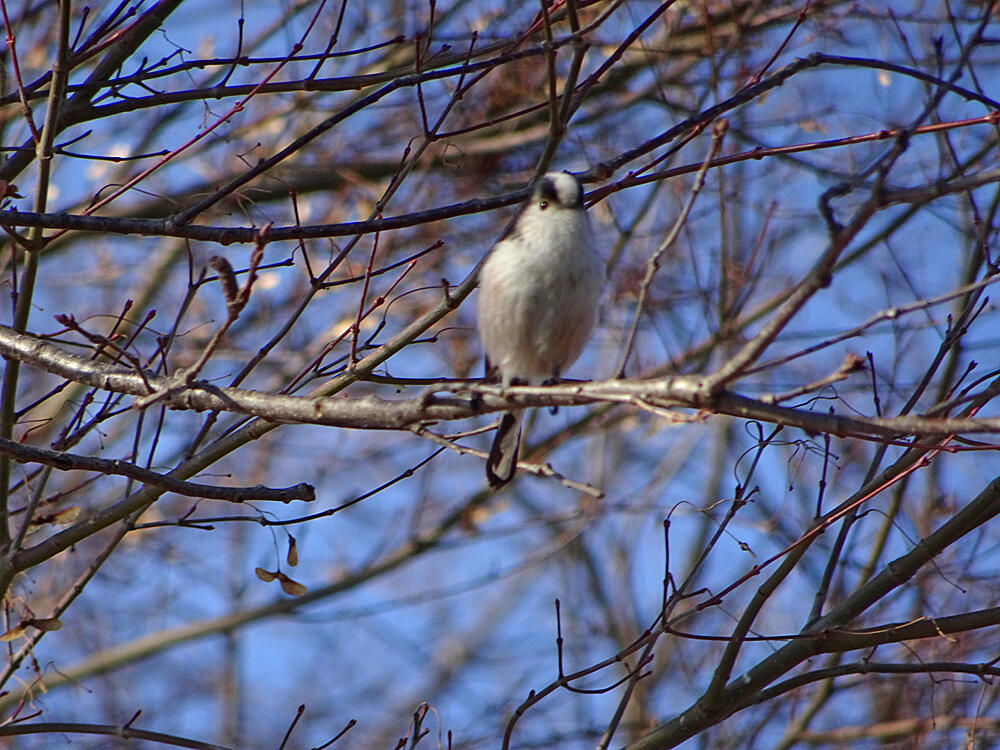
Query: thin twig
(653, 264)
(74, 462)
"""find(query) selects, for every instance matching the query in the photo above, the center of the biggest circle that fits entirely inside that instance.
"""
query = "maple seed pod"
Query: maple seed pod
(265, 575)
(290, 587)
(15, 632)
(46, 624)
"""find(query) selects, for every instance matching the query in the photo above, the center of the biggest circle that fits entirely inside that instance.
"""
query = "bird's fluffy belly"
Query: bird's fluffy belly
(538, 320)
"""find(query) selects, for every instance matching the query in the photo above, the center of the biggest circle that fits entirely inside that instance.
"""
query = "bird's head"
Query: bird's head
(560, 189)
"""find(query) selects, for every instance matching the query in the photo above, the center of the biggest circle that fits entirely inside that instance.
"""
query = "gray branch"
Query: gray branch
(374, 413)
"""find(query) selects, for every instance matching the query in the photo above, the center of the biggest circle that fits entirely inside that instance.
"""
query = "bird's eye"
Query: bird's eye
(543, 205)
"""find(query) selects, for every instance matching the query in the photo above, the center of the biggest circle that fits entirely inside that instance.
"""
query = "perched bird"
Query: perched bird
(539, 293)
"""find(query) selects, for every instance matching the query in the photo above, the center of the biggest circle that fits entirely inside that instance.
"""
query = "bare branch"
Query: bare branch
(116, 467)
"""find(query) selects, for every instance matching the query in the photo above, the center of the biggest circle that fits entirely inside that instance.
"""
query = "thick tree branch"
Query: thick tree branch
(374, 413)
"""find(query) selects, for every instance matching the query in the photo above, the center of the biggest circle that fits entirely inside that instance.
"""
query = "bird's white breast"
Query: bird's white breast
(539, 294)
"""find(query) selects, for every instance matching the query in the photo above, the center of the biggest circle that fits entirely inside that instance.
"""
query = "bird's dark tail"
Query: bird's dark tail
(502, 462)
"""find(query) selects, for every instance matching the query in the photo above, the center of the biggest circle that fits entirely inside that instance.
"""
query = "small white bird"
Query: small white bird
(539, 293)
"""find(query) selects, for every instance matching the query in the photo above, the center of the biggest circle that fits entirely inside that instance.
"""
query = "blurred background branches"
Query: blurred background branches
(242, 430)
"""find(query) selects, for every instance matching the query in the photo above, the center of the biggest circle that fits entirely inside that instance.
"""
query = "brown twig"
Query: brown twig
(116, 467)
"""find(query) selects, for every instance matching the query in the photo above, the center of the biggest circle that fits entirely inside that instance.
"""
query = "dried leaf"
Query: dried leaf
(810, 125)
(66, 516)
(265, 575)
(227, 278)
(8, 190)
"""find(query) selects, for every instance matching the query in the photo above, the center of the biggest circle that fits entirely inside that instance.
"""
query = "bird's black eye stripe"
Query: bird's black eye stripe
(547, 192)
